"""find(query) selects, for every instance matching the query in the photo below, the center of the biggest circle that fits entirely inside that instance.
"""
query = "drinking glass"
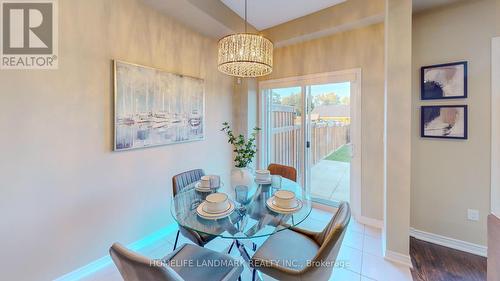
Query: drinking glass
(276, 182)
(214, 182)
(241, 194)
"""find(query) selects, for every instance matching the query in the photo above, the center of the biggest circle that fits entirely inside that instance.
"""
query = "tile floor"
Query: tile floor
(361, 254)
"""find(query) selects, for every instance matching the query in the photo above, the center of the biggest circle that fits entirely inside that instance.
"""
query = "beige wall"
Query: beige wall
(397, 146)
(448, 177)
(360, 48)
(245, 105)
(498, 18)
(65, 197)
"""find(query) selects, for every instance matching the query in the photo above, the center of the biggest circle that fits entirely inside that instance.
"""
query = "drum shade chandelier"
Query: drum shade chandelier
(245, 54)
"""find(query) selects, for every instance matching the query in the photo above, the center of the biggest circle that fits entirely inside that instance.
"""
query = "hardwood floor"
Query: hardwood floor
(432, 262)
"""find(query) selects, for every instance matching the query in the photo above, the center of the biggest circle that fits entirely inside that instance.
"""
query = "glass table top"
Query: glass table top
(251, 217)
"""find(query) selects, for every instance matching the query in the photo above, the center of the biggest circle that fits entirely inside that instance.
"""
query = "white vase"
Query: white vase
(241, 176)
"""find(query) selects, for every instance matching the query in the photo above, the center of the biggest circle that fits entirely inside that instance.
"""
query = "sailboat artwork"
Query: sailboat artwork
(154, 107)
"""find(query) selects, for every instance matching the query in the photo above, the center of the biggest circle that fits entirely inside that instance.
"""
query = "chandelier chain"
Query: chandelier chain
(246, 22)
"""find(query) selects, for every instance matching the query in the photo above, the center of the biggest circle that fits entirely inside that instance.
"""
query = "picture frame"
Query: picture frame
(444, 121)
(154, 107)
(444, 81)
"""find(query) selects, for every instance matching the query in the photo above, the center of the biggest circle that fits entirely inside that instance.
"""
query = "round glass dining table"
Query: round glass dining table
(252, 218)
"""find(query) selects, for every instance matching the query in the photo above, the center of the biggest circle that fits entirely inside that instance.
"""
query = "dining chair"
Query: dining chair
(179, 182)
(284, 171)
(298, 254)
(188, 262)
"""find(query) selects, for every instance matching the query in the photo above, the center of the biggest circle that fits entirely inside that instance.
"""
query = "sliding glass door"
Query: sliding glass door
(308, 124)
(328, 152)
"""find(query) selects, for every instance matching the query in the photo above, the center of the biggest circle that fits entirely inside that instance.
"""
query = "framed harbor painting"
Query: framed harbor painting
(444, 81)
(155, 107)
(444, 121)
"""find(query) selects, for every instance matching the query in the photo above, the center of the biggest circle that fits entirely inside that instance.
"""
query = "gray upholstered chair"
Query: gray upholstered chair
(179, 182)
(295, 254)
(186, 263)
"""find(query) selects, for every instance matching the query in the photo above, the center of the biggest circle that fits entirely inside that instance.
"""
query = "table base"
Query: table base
(246, 256)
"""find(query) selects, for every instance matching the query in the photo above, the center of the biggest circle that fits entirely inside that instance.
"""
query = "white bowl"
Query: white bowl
(272, 206)
(285, 199)
(262, 175)
(214, 216)
(217, 203)
(205, 182)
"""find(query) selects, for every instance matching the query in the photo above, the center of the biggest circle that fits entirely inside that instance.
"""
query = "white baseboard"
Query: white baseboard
(389, 255)
(398, 258)
(453, 243)
(96, 265)
(369, 221)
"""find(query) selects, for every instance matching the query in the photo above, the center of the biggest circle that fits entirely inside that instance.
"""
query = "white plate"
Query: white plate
(211, 216)
(285, 208)
(215, 213)
(197, 187)
(270, 205)
(269, 181)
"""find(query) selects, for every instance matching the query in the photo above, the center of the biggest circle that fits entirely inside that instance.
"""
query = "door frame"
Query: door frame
(495, 126)
(350, 75)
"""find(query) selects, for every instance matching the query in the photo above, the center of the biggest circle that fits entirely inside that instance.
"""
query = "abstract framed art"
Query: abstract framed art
(444, 121)
(444, 81)
(155, 107)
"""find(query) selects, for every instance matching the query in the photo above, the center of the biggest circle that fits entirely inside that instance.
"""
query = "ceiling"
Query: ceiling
(263, 14)
(218, 18)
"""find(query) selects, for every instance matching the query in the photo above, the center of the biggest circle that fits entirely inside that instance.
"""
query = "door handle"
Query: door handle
(308, 144)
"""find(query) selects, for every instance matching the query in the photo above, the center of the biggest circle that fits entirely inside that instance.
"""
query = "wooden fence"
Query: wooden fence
(326, 137)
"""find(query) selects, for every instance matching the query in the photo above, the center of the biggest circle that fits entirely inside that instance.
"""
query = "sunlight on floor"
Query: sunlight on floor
(330, 180)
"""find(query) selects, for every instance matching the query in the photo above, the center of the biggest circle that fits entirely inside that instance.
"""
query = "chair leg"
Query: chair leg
(254, 246)
(254, 273)
(230, 248)
(176, 239)
(243, 250)
(239, 278)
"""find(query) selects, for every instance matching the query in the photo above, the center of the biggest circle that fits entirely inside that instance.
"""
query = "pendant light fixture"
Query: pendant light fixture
(245, 54)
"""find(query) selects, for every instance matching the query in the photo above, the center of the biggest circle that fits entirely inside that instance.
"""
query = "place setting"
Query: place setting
(215, 206)
(284, 202)
(209, 183)
(263, 177)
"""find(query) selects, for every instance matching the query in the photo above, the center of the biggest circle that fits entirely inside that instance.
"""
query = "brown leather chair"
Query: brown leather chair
(179, 182)
(175, 266)
(297, 254)
(284, 171)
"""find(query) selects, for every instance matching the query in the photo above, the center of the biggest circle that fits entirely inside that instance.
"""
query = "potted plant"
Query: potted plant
(244, 150)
